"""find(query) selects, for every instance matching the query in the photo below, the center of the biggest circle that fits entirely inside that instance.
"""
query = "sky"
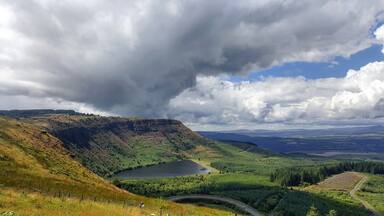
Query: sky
(214, 65)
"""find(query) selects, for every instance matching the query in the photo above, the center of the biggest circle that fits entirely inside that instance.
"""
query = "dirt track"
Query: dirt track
(365, 203)
(241, 205)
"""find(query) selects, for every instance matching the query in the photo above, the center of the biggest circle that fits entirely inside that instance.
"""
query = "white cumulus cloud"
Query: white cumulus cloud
(358, 97)
(379, 33)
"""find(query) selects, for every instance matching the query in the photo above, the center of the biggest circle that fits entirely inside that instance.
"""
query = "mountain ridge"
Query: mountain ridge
(110, 144)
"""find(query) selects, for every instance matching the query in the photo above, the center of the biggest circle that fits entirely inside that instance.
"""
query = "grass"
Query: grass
(373, 192)
(35, 204)
(205, 184)
(38, 175)
(298, 203)
(148, 151)
(229, 158)
(35, 160)
(336, 189)
(251, 189)
(206, 203)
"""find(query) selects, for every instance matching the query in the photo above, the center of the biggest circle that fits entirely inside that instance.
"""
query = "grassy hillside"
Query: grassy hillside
(32, 158)
(109, 144)
(36, 204)
(38, 175)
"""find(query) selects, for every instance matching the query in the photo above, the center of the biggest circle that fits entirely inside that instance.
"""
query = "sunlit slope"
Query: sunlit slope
(32, 158)
(37, 174)
(36, 204)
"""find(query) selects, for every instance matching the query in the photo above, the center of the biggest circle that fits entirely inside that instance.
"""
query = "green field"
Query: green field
(254, 190)
(245, 176)
(373, 192)
(258, 161)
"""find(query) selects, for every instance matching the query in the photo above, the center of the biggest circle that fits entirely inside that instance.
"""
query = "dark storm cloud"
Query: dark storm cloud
(132, 57)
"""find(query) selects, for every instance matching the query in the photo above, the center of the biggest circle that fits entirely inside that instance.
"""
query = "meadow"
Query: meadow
(245, 176)
(250, 159)
(14, 202)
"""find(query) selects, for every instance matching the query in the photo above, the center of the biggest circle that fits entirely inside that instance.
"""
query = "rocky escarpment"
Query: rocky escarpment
(109, 144)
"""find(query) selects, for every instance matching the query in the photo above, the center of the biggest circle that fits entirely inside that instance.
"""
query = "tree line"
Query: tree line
(313, 175)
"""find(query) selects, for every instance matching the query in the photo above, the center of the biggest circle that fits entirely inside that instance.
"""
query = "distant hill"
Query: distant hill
(34, 112)
(304, 133)
(227, 136)
(351, 140)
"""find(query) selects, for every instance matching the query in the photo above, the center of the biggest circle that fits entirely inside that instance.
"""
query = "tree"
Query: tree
(313, 211)
(332, 212)
(116, 182)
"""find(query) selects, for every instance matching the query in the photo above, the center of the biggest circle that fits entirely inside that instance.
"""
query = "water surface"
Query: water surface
(171, 169)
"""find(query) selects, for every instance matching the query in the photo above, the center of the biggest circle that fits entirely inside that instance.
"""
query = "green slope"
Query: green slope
(109, 144)
(38, 175)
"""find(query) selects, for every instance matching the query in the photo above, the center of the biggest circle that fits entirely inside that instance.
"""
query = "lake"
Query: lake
(171, 169)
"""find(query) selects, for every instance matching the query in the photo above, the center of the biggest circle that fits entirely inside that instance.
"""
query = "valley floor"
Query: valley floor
(245, 176)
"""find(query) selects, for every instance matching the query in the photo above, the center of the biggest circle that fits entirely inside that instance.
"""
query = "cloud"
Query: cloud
(132, 57)
(26, 102)
(379, 34)
(358, 97)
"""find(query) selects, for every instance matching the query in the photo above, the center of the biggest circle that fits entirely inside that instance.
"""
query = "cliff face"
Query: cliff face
(109, 144)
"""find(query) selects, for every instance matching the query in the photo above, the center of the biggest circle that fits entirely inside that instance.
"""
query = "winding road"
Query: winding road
(365, 203)
(244, 207)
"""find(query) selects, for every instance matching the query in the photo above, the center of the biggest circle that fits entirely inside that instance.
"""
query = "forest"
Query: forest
(313, 175)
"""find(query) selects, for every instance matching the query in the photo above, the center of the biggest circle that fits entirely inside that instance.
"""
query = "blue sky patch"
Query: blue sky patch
(337, 68)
